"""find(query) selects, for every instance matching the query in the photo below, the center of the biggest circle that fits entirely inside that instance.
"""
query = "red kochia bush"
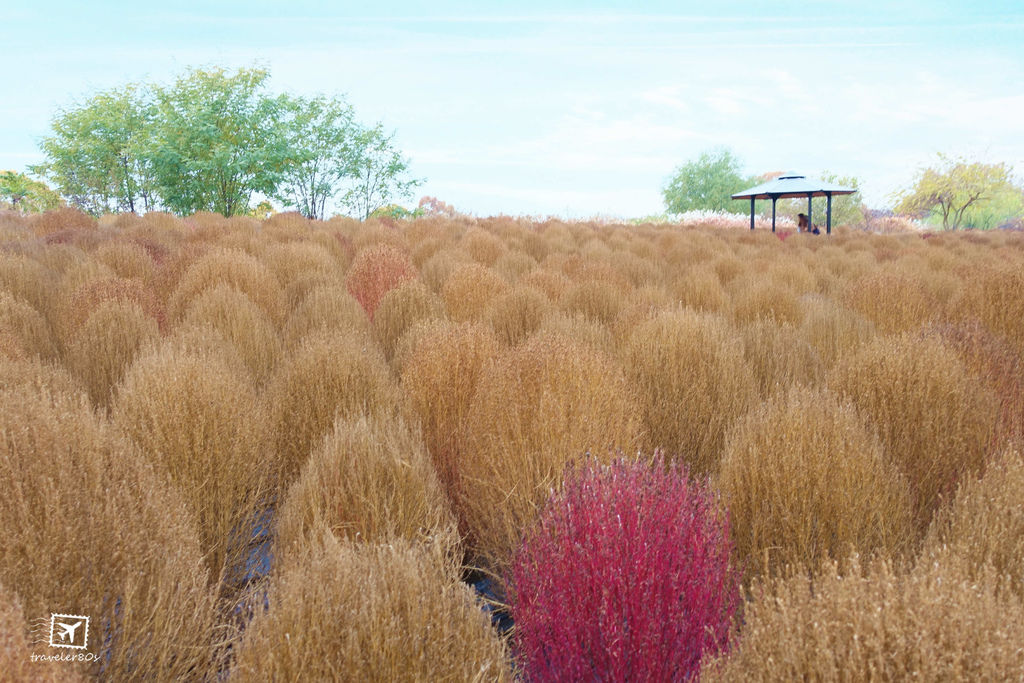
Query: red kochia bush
(625, 577)
(376, 271)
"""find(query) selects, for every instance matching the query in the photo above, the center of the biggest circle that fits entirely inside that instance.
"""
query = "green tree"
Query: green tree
(953, 189)
(377, 173)
(217, 140)
(96, 154)
(320, 135)
(21, 193)
(706, 183)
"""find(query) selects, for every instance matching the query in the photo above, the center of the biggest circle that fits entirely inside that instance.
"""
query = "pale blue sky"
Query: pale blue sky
(571, 108)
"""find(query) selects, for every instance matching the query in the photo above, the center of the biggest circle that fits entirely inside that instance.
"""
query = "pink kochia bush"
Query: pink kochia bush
(625, 577)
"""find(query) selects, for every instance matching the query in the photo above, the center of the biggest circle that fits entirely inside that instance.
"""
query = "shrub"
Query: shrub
(375, 271)
(934, 420)
(241, 322)
(804, 480)
(779, 356)
(439, 380)
(234, 268)
(624, 577)
(28, 281)
(984, 525)
(894, 299)
(538, 408)
(329, 374)
(484, 247)
(368, 612)
(16, 652)
(104, 347)
(61, 220)
(86, 525)
(403, 306)
(518, 314)
(833, 330)
(878, 623)
(370, 481)
(326, 308)
(693, 383)
(296, 260)
(127, 259)
(200, 424)
(992, 295)
(596, 300)
(755, 297)
(26, 326)
(700, 289)
(85, 299)
(469, 291)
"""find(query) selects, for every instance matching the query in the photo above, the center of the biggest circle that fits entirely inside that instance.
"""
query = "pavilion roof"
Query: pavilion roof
(793, 185)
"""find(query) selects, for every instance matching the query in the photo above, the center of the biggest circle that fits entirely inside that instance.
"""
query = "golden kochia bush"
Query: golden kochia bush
(804, 480)
(700, 289)
(86, 525)
(896, 299)
(541, 406)
(934, 418)
(370, 612)
(103, 347)
(985, 522)
(244, 324)
(198, 422)
(26, 327)
(83, 300)
(325, 308)
(439, 379)
(779, 356)
(597, 300)
(127, 259)
(400, 309)
(992, 294)
(231, 267)
(693, 382)
(370, 480)
(878, 622)
(16, 651)
(295, 260)
(469, 291)
(756, 297)
(328, 375)
(29, 281)
(518, 314)
(832, 329)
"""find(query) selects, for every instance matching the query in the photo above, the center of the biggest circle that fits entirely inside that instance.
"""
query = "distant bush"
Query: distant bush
(328, 375)
(236, 269)
(624, 577)
(102, 348)
(804, 480)
(370, 612)
(370, 481)
(326, 308)
(934, 419)
(26, 326)
(693, 382)
(401, 308)
(375, 271)
(518, 314)
(469, 291)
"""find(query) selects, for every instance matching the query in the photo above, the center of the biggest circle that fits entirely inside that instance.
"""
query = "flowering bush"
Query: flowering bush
(625, 577)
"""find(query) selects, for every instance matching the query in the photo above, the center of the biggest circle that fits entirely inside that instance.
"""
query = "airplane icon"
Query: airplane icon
(68, 631)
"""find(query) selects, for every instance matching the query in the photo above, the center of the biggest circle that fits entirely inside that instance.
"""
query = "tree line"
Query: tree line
(955, 193)
(214, 141)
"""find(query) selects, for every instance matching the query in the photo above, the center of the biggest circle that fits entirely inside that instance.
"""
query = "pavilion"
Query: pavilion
(791, 185)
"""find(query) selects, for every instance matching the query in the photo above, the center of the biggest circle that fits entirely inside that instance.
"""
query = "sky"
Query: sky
(571, 109)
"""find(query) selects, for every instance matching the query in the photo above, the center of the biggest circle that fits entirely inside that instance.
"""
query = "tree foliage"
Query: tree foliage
(377, 172)
(706, 183)
(320, 134)
(847, 209)
(21, 193)
(953, 189)
(96, 155)
(218, 141)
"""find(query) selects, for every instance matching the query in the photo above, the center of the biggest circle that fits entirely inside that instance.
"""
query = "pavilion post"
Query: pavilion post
(774, 199)
(828, 222)
(810, 213)
(751, 213)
